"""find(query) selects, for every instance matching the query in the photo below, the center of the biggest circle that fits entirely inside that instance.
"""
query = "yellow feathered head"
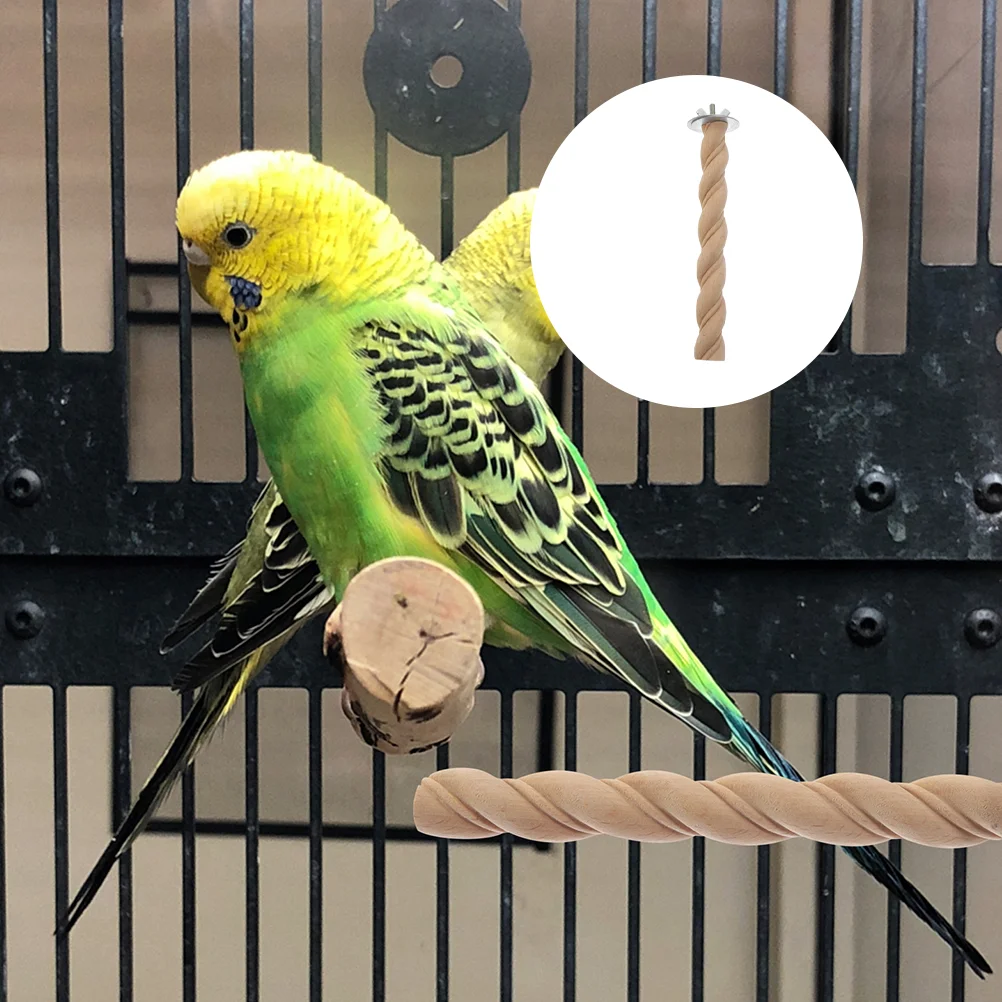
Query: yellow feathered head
(260, 225)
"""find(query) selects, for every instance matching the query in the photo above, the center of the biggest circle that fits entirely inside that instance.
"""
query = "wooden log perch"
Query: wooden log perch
(744, 809)
(407, 635)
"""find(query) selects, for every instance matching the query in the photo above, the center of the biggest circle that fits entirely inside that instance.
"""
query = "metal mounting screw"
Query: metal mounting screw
(875, 489)
(22, 486)
(703, 117)
(988, 493)
(983, 628)
(25, 619)
(866, 626)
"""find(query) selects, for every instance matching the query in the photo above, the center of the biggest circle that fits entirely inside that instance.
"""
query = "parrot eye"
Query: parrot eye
(238, 235)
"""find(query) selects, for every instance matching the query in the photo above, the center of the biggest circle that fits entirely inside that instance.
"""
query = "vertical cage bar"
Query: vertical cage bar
(514, 140)
(122, 710)
(893, 983)
(50, 75)
(252, 885)
(919, 72)
(122, 785)
(506, 844)
(3, 860)
(378, 876)
(781, 51)
(570, 856)
(442, 899)
(316, 781)
(60, 790)
(762, 878)
(961, 767)
(315, 74)
(846, 75)
(826, 861)
(187, 872)
(447, 205)
(246, 30)
(380, 142)
(714, 29)
(709, 437)
(633, 870)
(648, 71)
(116, 150)
(698, 936)
(182, 140)
(581, 45)
(985, 136)
(846, 71)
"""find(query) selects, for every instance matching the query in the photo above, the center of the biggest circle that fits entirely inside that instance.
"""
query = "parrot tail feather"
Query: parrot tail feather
(205, 713)
(759, 753)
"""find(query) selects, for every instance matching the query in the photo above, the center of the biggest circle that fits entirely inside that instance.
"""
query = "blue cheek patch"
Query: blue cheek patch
(246, 294)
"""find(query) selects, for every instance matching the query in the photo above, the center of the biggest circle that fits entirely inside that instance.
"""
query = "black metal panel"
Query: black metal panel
(757, 625)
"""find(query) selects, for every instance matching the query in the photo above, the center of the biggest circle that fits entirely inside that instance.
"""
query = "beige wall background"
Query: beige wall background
(742, 457)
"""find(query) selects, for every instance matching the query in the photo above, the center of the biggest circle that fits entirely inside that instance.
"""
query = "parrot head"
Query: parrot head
(260, 226)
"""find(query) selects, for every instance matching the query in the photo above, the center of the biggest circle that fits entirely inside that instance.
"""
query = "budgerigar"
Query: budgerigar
(394, 424)
(494, 266)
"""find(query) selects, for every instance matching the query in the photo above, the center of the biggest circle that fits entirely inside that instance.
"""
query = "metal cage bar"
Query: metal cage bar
(763, 903)
(53, 234)
(378, 876)
(252, 888)
(698, 934)
(122, 793)
(442, 900)
(316, 779)
(188, 971)
(570, 857)
(246, 77)
(182, 113)
(893, 978)
(633, 868)
(60, 792)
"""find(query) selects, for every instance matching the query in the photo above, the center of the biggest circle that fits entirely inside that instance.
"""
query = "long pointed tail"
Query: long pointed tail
(705, 707)
(209, 707)
(759, 753)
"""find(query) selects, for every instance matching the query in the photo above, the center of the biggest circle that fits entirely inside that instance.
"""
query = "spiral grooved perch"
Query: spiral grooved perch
(743, 809)
(711, 310)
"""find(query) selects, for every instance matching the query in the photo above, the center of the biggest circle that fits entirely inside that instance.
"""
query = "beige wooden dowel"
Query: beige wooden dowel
(711, 311)
(407, 635)
(743, 809)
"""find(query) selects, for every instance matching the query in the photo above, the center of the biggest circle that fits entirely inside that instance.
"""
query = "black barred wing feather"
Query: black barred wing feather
(286, 591)
(474, 452)
(211, 597)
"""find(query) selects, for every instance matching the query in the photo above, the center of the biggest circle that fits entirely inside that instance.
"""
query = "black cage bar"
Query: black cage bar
(810, 547)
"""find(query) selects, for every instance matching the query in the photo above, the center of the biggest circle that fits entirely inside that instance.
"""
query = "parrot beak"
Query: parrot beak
(195, 254)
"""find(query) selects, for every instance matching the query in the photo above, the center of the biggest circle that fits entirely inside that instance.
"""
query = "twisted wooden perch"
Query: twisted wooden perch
(744, 809)
(711, 311)
(407, 635)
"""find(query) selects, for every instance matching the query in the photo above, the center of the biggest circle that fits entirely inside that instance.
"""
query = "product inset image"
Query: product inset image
(629, 234)
(711, 271)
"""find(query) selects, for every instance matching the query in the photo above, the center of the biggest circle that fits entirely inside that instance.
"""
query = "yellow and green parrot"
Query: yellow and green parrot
(395, 424)
(494, 267)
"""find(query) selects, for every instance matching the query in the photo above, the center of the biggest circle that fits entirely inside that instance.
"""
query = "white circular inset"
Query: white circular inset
(614, 242)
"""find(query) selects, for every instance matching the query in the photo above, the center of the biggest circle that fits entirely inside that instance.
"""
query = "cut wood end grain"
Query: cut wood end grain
(407, 635)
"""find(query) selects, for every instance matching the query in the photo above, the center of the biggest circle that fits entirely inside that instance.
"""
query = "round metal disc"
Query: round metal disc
(437, 119)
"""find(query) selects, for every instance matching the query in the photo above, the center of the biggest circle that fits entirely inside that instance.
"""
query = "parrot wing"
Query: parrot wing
(224, 574)
(283, 591)
(474, 453)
